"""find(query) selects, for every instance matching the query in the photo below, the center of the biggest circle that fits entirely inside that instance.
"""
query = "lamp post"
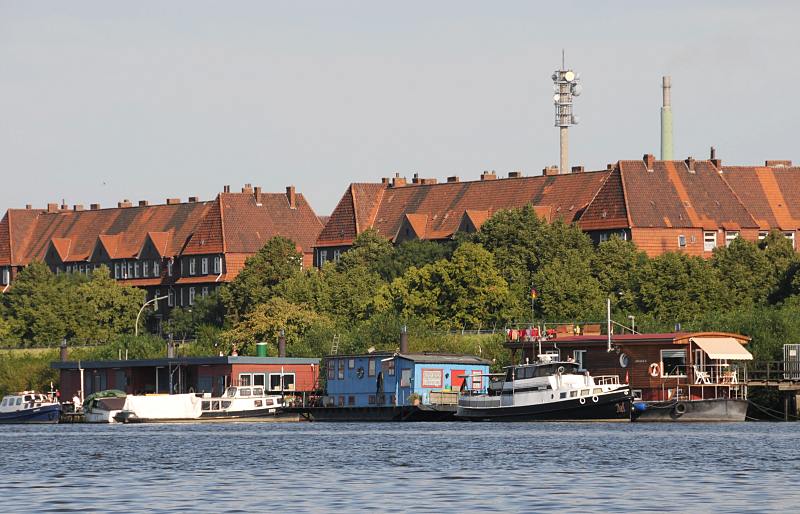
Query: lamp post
(139, 314)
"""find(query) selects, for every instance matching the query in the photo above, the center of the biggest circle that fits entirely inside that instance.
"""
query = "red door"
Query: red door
(456, 378)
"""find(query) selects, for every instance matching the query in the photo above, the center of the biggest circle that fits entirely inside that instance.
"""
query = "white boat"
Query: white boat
(29, 407)
(237, 403)
(548, 390)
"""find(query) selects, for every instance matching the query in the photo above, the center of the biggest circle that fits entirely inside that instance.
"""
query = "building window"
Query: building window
(351, 363)
(323, 256)
(136, 270)
(371, 369)
(191, 296)
(390, 368)
(155, 303)
(730, 236)
(682, 241)
(603, 237)
(709, 241)
(169, 268)
(130, 270)
(204, 266)
(6, 276)
(171, 298)
(673, 363)
(192, 267)
(336, 255)
(341, 369)
(580, 359)
(146, 269)
(156, 269)
(331, 369)
(217, 265)
(790, 237)
(341, 401)
(204, 291)
(351, 401)
(276, 384)
(762, 234)
(371, 399)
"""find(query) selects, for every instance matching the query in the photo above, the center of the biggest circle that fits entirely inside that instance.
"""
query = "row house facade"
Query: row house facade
(177, 251)
(690, 206)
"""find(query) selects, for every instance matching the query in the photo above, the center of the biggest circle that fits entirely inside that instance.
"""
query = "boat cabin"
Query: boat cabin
(400, 379)
(23, 400)
(658, 367)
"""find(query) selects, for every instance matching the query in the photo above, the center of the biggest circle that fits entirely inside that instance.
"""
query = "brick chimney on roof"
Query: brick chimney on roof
(77, 207)
(257, 194)
(28, 206)
(690, 164)
(52, 207)
(291, 196)
(649, 161)
(226, 189)
(192, 199)
(94, 206)
(778, 164)
(578, 169)
(489, 175)
(514, 174)
(248, 188)
(173, 201)
(550, 171)
(143, 203)
(124, 204)
(453, 179)
(398, 181)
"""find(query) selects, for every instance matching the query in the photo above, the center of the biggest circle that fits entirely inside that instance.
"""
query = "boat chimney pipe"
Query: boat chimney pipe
(404, 339)
(608, 322)
(170, 349)
(64, 350)
(282, 344)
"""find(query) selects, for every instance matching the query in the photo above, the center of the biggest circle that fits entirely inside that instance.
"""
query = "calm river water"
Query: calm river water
(458, 467)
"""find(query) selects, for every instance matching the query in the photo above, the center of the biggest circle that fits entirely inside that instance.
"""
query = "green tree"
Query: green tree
(276, 261)
(568, 291)
(783, 261)
(617, 265)
(267, 319)
(745, 272)
(369, 249)
(680, 288)
(105, 309)
(414, 253)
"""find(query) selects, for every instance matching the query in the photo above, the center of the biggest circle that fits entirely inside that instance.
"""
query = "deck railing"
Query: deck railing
(606, 380)
(771, 371)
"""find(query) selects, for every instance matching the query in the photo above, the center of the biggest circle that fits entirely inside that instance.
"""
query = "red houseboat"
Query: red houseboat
(673, 376)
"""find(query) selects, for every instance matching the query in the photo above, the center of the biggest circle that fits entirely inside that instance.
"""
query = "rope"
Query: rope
(766, 410)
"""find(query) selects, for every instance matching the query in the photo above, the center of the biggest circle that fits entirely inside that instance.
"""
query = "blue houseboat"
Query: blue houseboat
(385, 386)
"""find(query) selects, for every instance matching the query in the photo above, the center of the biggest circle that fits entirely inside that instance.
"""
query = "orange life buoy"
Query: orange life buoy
(654, 371)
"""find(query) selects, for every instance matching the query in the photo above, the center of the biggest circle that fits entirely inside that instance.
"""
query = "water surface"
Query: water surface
(391, 467)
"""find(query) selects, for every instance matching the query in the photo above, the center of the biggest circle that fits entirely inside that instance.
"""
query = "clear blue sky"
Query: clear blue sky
(101, 101)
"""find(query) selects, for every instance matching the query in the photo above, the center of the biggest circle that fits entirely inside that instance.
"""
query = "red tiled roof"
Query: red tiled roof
(5, 242)
(61, 246)
(771, 194)
(443, 205)
(673, 196)
(160, 241)
(607, 209)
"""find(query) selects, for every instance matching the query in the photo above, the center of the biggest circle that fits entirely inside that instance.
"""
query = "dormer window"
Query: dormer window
(146, 269)
(217, 265)
(204, 266)
(192, 267)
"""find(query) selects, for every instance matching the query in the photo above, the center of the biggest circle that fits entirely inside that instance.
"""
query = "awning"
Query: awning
(723, 348)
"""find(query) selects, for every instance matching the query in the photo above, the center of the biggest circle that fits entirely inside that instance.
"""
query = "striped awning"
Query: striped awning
(723, 348)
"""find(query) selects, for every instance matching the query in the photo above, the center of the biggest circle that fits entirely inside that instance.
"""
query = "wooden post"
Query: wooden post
(785, 406)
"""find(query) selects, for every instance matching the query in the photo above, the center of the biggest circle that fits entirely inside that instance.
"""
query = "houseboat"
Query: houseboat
(547, 390)
(29, 407)
(236, 404)
(679, 376)
(402, 386)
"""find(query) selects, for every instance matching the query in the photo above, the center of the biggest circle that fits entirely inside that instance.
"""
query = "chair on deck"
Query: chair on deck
(701, 377)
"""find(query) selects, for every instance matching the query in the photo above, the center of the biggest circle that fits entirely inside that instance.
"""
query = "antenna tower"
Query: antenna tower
(566, 84)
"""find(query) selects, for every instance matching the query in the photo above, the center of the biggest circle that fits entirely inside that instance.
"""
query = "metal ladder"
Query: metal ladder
(335, 345)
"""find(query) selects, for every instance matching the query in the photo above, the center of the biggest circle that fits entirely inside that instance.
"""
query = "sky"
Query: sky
(104, 101)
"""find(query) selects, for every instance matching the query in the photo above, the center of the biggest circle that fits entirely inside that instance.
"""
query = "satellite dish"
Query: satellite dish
(569, 76)
(556, 98)
(576, 89)
(575, 120)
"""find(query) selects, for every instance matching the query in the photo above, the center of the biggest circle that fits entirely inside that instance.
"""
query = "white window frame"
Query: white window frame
(337, 254)
(6, 276)
(282, 382)
(762, 234)
(709, 240)
(204, 266)
(603, 237)
(323, 257)
(217, 265)
(136, 269)
(171, 298)
(169, 268)
(130, 270)
(681, 241)
(579, 356)
(145, 269)
(192, 266)
(730, 235)
(156, 269)
(191, 296)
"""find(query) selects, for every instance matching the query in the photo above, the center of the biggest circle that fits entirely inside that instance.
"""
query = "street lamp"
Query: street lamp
(148, 302)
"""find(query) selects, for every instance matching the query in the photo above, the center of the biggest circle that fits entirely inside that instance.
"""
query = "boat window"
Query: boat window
(258, 391)
(258, 403)
(270, 401)
(584, 392)
(563, 395)
(244, 391)
(230, 392)
(205, 405)
(598, 390)
(3, 403)
(673, 363)
(573, 394)
(226, 404)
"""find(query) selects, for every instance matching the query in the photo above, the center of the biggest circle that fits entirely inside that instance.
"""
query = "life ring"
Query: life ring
(680, 409)
(654, 369)
(583, 401)
(595, 398)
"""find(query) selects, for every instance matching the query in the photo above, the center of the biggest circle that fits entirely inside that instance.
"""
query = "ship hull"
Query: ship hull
(613, 406)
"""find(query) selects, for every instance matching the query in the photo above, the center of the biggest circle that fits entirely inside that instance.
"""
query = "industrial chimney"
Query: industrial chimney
(404, 339)
(666, 119)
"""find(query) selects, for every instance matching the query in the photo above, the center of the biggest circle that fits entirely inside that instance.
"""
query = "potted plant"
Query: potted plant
(414, 399)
